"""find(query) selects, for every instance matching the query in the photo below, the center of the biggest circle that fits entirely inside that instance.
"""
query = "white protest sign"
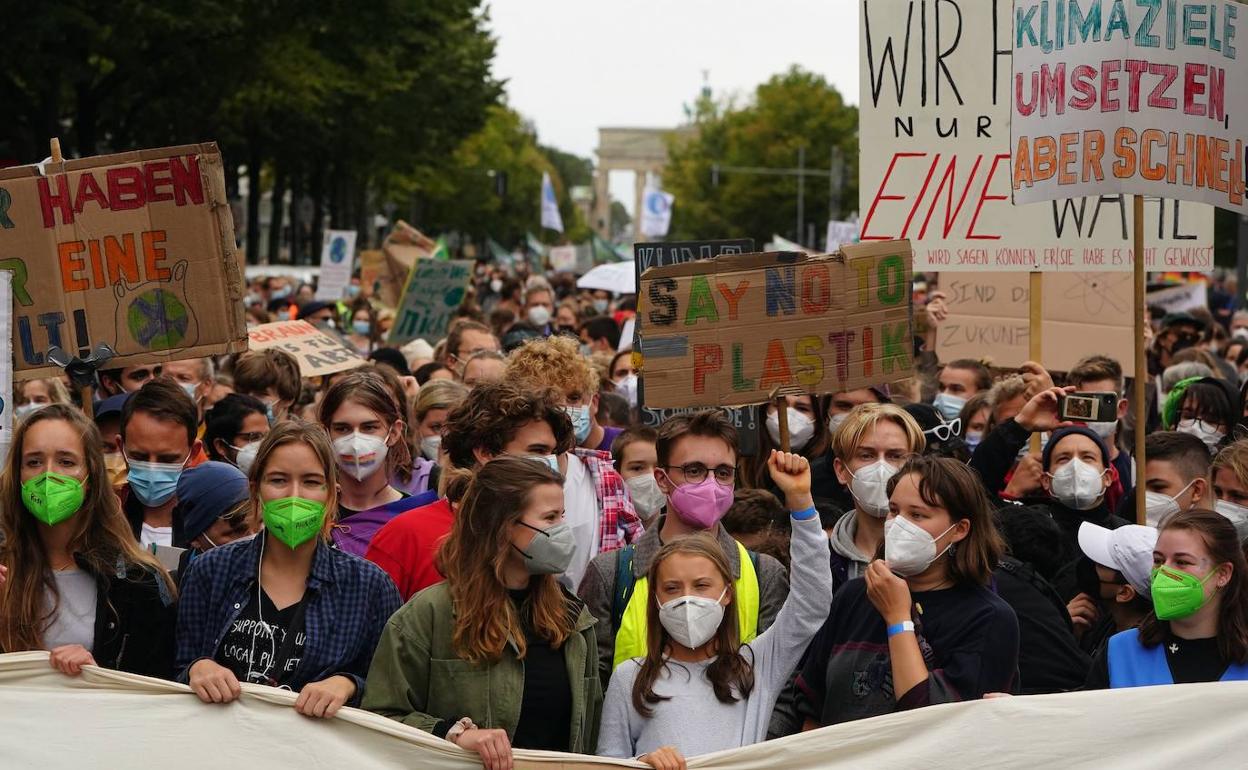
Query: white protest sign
(840, 234)
(337, 259)
(656, 213)
(434, 291)
(1177, 299)
(935, 96)
(1130, 97)
(563, 259)
(318, 353)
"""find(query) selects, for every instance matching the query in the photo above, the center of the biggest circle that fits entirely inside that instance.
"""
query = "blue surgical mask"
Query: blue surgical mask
(353, 291)
(948, 406)
(580, 421)
(190, 388)
(268, 412)
(154, 483)
(550, 460)
(361, 328)
(973, 437)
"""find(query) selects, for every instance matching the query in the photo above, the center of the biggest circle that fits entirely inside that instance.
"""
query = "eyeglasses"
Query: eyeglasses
(945, 430)
(696, 472)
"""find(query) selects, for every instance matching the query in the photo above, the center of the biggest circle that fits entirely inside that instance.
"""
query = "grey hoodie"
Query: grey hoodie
(843, 544)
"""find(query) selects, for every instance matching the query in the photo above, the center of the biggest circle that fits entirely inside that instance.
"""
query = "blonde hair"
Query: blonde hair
(555, 362)
(438, 394)
(57, 394)
(863, 418)
(1234, 458)
(1006, 389)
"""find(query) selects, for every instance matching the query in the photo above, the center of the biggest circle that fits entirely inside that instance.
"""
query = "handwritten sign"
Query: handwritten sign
(136, 250)
(1117, 97)
(433, 292)
(1083, 314)
(648, 254)
(935, 92)
(727, 331)
(317, 352)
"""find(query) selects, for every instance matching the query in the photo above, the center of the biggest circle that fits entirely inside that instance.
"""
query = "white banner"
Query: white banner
(337, 260)
(55, 722)
(563, 259)
(551, 218)
(1131, 98)
(934, 114)
(656, 213)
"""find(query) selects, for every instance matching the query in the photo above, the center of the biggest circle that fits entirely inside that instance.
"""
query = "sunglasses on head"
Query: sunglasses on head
(945, 430)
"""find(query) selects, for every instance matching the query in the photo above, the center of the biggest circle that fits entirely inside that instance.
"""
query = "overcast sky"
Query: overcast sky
(573, 66)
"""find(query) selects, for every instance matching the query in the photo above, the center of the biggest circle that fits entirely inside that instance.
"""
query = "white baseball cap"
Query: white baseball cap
(1128, 549)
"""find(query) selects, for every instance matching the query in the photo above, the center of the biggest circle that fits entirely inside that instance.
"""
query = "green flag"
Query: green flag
(440, 251)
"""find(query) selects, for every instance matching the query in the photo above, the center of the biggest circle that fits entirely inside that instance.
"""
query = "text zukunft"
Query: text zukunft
(728, 331)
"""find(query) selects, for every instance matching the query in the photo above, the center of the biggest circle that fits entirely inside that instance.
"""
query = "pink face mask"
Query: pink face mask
(701, 505)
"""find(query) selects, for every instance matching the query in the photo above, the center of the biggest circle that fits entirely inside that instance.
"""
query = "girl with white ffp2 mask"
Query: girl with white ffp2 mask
(697, 690)
(363, 415)
(809, 431)
(871, 444)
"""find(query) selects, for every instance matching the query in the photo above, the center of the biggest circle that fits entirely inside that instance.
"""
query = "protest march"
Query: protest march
(896, 413)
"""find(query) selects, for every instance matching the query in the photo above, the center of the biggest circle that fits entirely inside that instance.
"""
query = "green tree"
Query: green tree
(464, 194)
(796, 109)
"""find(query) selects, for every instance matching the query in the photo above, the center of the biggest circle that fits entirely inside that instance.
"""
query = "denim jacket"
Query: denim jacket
(348, 600)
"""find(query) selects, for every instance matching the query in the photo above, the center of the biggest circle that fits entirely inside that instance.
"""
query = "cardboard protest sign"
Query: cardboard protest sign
(433, 293)
(1118, 97)
(660, 253)
(1083, 314)
(107, 249)
(934, 96)
(317, 352)
(372, 264)
(337, 260)
(402, 247)
(729, 330)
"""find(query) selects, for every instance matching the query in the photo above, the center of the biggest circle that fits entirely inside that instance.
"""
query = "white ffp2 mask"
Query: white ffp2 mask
(692, 620)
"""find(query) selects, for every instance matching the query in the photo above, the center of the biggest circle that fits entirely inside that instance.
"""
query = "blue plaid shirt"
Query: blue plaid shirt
(348, 600)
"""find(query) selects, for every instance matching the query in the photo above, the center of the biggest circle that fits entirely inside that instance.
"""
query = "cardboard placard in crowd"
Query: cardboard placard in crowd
(135, 250)
(934, 113)
(402, 247)
(563, 259)
(648, 254)
(1083, 314)
(1136, 100)
(432, 294)
(728, 331)
(372, 263)
(1182, 298)
(337, 261)
(318, 353)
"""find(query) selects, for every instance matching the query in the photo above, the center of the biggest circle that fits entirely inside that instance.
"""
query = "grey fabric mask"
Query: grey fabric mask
(551, 550)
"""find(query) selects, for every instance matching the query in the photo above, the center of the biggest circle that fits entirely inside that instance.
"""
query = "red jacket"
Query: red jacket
(407, 547)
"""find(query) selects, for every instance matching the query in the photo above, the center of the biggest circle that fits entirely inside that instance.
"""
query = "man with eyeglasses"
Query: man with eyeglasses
(697, 466)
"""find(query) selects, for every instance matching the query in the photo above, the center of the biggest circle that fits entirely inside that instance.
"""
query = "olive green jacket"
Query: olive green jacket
(417, 679)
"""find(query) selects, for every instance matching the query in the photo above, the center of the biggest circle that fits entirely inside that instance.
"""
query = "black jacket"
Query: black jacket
(133, 509)
(1049, 658)
(135, 618)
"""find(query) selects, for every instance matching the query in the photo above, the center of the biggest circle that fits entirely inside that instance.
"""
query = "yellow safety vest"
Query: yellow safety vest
(630, 638)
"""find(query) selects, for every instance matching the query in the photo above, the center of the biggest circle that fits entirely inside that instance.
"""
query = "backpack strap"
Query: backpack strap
(623, 584)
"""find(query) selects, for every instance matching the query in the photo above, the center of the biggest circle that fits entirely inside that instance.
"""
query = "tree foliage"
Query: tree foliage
(344, 102)
(791, 110)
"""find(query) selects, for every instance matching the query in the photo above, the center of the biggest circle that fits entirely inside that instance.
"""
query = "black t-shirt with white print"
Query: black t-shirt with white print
(264, 648)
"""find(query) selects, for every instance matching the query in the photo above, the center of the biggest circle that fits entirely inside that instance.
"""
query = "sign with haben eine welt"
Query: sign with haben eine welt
(728, 331)
(107, 249)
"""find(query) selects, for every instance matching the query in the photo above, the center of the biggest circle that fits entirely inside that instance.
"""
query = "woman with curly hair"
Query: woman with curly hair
(495, 420)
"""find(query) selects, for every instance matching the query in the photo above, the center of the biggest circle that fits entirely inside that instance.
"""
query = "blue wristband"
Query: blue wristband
(900, 628)
(803, 515)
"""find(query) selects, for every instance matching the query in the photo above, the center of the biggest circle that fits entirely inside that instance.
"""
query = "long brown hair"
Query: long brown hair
(473, 556)
(1222, 543)
(101, 539)
(731, 675)
(949, 484)
(315, 438)
(371, 391)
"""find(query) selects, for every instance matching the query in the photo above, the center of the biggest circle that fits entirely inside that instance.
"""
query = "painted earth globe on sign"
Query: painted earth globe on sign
(158, 320)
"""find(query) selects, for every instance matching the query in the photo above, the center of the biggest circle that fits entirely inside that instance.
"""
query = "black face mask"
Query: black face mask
(1086, 579)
